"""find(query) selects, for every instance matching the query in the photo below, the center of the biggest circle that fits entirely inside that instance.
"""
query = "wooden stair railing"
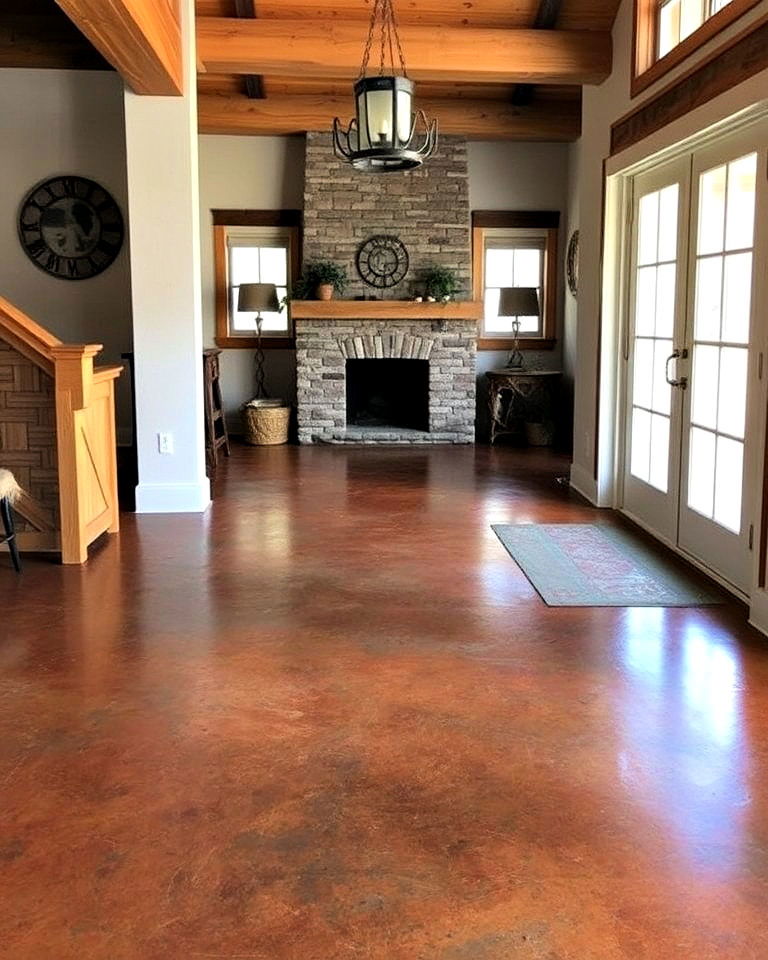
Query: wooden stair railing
(57, 434)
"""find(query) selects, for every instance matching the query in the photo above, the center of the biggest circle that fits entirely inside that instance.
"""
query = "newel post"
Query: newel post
(73, 383)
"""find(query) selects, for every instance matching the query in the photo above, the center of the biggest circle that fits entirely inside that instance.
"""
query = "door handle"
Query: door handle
(681, 382)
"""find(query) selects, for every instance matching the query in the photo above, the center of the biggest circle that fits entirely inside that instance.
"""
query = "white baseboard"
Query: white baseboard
(758, 611)
(584, 483)
(173, 497)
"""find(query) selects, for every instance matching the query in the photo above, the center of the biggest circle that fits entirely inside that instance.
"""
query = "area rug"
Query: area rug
(585, 565)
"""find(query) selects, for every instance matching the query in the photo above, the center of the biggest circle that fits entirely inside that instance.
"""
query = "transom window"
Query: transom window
(669, 31)
(254, 246)
(678, 19)
(515, 249)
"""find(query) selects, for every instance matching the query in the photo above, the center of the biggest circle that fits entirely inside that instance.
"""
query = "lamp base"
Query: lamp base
(515, 361)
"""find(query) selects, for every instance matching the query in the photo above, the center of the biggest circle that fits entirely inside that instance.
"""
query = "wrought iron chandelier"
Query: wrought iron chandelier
(381, 138)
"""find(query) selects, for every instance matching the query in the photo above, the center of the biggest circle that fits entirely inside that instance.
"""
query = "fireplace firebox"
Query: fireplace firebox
(388, 393)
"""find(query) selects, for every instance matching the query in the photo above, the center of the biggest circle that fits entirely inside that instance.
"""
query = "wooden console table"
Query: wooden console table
(515, 396)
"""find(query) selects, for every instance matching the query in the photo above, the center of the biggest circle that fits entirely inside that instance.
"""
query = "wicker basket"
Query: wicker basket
(266, 422)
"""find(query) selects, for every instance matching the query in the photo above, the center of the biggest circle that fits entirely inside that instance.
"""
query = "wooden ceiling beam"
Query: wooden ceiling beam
(140, 38)
(254, 86)
(475, 119)
(334, 49)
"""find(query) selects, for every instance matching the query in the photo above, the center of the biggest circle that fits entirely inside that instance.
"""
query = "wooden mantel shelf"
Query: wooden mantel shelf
(385, 310)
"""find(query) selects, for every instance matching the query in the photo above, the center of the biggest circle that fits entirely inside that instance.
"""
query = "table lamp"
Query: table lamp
(255, 298)
(517, 302)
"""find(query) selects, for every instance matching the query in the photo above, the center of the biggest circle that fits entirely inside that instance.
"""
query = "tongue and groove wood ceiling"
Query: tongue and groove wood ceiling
(488, 69)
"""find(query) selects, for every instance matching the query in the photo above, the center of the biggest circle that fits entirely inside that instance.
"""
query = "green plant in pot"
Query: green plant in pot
(441, 283)
(319, 279)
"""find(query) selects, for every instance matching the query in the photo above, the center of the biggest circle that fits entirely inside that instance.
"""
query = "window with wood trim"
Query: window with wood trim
(254, 246)
(515, 249)
(668, 31)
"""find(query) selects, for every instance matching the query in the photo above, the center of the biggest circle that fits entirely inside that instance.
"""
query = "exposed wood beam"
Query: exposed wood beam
(476, 119)
(254, 86)
(334, 49)
(140, 38)
(546, 19)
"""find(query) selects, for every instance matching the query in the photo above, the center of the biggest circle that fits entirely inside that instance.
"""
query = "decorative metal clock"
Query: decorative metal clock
(382, 261)
(572, 263)
(70, 227)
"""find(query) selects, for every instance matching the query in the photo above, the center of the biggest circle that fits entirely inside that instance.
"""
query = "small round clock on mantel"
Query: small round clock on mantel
(70, 227)
(382, 261)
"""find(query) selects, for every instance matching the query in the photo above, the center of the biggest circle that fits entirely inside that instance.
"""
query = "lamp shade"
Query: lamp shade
(518, 302)
(255, 297)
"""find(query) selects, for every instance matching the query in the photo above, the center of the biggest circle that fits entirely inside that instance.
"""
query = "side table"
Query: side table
(516, 396)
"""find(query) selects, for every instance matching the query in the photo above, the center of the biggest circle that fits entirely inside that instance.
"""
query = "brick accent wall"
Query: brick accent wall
(322, 348)
(427, 208)
(28, 430)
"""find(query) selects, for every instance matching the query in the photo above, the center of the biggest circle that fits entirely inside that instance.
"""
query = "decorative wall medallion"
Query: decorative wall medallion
(572, 263)
(382, 261)
(70, 227)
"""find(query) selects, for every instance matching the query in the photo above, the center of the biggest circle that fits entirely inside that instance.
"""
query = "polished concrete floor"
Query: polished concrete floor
(331, 720)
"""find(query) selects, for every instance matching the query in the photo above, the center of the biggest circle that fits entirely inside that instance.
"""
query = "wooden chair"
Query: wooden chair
(9, 491)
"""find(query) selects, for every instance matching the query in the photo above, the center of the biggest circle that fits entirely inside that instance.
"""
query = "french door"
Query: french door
(691, 358)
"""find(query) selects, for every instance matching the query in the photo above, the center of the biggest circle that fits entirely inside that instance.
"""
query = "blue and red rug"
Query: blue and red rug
(586, 565)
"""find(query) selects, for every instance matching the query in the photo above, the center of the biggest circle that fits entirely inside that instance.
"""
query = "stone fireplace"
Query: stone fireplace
(388, 370)
(327, 349)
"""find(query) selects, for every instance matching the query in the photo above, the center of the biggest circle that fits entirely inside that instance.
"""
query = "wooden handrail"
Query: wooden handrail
(28, 337)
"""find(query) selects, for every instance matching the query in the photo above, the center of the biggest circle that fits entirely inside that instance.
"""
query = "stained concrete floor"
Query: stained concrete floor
(331, 720)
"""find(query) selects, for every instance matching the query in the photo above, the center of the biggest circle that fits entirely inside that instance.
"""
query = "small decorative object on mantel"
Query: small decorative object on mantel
(265, 420)
(381, 137)
(382, 261)
(440, 283)
(572, 264)
(517, 302)
(319, 280)
(70, 227)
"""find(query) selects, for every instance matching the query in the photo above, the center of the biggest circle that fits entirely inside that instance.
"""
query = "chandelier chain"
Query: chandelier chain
(383, 21)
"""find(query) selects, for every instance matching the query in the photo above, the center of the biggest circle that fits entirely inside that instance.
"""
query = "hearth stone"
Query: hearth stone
(322, 349)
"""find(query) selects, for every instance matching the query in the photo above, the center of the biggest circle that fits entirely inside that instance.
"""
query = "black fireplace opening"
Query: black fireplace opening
(388, 393)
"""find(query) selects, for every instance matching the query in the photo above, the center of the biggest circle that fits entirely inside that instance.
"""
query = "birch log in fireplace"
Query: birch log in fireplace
(57, 435)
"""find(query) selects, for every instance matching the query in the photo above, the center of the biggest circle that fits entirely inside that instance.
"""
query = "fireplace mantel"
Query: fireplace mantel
(385, 310)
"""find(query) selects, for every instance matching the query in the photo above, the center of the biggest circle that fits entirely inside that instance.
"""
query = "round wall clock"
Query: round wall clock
(70, 227)
(382, 261)
(572, 263)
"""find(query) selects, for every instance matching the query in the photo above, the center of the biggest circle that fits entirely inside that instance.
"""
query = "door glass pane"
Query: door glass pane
(642, 395)
(645, 309)
(659, 469)
(704, 386)
(731, 397)
(665, 299)
(709, 282)
(668, 203)
(740, 219)
(701, 471)
(648, 228)
(711, 210)
(737, 294)
(662, 393)
(728, 483)
(640, 464)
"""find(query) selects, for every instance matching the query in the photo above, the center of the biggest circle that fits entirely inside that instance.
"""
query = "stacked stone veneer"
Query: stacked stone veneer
(427, 208)
(322, 349)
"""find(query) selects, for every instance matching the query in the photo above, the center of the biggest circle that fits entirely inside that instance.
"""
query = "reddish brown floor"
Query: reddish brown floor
(331, 720)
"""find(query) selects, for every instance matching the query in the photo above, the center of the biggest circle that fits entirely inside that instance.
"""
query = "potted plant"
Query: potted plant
(440, 283)
(320, 279)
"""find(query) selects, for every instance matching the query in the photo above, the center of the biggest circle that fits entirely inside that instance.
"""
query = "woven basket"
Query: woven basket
(266, 422)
